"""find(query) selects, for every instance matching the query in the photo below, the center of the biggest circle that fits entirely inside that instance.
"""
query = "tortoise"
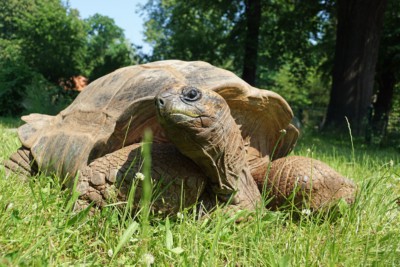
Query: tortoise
(216, 140)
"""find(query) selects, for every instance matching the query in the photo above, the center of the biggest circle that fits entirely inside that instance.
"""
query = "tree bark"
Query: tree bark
(253, 20)
(386, 82)
(356, 52)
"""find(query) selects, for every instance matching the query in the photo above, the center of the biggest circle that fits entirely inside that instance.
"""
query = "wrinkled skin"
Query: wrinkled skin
(200, 125)
(177, 181)
(305, 183)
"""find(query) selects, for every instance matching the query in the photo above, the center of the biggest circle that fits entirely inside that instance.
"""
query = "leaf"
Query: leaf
(74, 195)
(15, 216)
(343, 206)
(126, 236)
(284, 261)
(177, 250)
(80, 216)
(169, 240)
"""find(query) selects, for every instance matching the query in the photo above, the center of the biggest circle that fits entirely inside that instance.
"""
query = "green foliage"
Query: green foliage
(389, 56)
(384, 116)
(289, 55)
(40, 41)
(106, 47)
(14, 77)
(24, 91)
(11, 12)
(52, 39)
(287, 32)
(300, 90)
(393, 127)
(10, 51)
(44, 97)
(195, 30)
(43, 44)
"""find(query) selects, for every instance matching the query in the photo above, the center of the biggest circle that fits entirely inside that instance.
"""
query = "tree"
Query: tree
(10, 12)
(52, 38)
(247, 37)
(107, 48)
(15, 74)
(356, 52)
(196, 30)
(387, 69)
(43, 43)
(290, 36)
(253, 20)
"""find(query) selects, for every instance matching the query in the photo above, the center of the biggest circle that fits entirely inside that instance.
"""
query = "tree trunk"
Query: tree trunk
(253, 19)
(356, 52)
(386, 82)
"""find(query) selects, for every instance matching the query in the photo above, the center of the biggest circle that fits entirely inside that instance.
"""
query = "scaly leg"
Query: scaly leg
(21, 162)
(108, 179)
(313, 184)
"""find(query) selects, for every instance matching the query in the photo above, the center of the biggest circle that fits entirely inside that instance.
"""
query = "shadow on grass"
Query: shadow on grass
(10, 122)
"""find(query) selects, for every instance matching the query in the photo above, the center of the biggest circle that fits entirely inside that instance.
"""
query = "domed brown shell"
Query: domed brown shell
(113, 112)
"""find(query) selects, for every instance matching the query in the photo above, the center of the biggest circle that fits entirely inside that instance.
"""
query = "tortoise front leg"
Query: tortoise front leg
(177, 181)
(308, 182)
(21, 163)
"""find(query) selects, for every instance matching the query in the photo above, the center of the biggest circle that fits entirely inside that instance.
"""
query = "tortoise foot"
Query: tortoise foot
(21, 163)
(308, 183)
(116, 178)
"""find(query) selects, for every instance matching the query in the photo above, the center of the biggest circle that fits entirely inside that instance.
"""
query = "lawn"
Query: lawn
(39, 228)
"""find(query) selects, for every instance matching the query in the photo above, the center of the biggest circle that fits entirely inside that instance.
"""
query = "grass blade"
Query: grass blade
(133, 227)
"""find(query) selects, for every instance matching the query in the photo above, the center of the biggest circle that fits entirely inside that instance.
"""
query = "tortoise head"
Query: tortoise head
(226, 130)
(199, 123)
(190, 109)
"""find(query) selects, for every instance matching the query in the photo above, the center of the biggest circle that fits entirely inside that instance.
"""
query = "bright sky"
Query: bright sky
(124, 12)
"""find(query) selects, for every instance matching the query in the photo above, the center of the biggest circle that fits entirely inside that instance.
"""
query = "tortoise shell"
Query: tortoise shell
(113, 112)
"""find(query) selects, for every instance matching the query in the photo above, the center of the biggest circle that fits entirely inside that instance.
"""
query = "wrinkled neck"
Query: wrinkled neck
(220, 152)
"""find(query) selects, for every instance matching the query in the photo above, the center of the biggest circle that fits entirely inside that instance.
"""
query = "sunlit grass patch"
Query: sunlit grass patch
(39, 227)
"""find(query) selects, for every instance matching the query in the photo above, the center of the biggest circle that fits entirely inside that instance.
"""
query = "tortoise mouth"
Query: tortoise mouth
(190, 120)
(182, 117)
(182, 114)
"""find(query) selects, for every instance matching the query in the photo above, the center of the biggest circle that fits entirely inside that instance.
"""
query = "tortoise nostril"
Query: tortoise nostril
(160, 102)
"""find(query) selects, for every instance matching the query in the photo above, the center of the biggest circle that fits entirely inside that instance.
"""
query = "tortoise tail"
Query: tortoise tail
(21, 162)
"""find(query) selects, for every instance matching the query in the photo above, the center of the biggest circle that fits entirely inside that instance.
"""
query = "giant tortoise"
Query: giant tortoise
(216, 140)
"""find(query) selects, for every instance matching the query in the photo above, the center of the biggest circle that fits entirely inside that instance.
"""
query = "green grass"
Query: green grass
(38, 228)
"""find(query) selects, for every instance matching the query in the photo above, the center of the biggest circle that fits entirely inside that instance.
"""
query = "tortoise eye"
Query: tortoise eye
(191, 94)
